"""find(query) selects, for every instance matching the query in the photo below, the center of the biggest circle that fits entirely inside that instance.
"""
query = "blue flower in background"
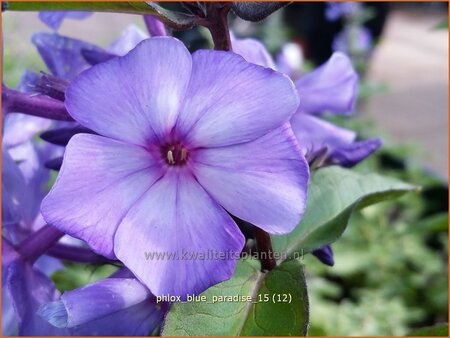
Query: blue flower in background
(54, 19)
(329, 89)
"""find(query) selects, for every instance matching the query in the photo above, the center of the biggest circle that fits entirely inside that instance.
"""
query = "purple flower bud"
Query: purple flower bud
(61, 136)
(325, 255)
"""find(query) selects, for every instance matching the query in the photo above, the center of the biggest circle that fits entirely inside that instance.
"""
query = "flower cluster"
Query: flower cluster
(158, 150)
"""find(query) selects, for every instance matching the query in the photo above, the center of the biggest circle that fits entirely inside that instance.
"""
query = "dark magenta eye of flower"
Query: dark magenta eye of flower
(175, 154)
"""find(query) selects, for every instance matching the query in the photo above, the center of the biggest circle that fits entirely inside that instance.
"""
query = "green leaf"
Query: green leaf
(176, 20)
(247, 318)
(334, 193)
(431, 331)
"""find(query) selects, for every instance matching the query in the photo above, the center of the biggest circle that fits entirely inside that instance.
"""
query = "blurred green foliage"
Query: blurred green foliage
(431, 331)
(390, 275)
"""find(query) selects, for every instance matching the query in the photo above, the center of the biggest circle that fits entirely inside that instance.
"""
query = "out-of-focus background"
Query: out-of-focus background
(390, 275)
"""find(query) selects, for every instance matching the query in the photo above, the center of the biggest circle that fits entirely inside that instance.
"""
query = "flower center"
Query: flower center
(175, 154)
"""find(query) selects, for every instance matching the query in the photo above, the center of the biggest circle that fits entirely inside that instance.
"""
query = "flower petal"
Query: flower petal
(13, 191)
(135, 98)
(231, 101)
(137, 320)
(128, 39)
(20, 128)
(329, 88)
(62, 55)
(352, 154)
(263, 182)
(10, 325)
(99, 181)
(175, 218)
(313, 133)
(28, 289)
(54, 19)
(253, 51)
(111, 295)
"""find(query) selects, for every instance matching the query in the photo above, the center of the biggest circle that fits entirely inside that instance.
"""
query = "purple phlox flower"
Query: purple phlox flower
(26, 288)
(24, 178)
(198, 143)
(122, 307)
(155, 26)
(336, 10)
(54, 19)
(353, 39)
(24, 184)
(325, 255)
(331, 88)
